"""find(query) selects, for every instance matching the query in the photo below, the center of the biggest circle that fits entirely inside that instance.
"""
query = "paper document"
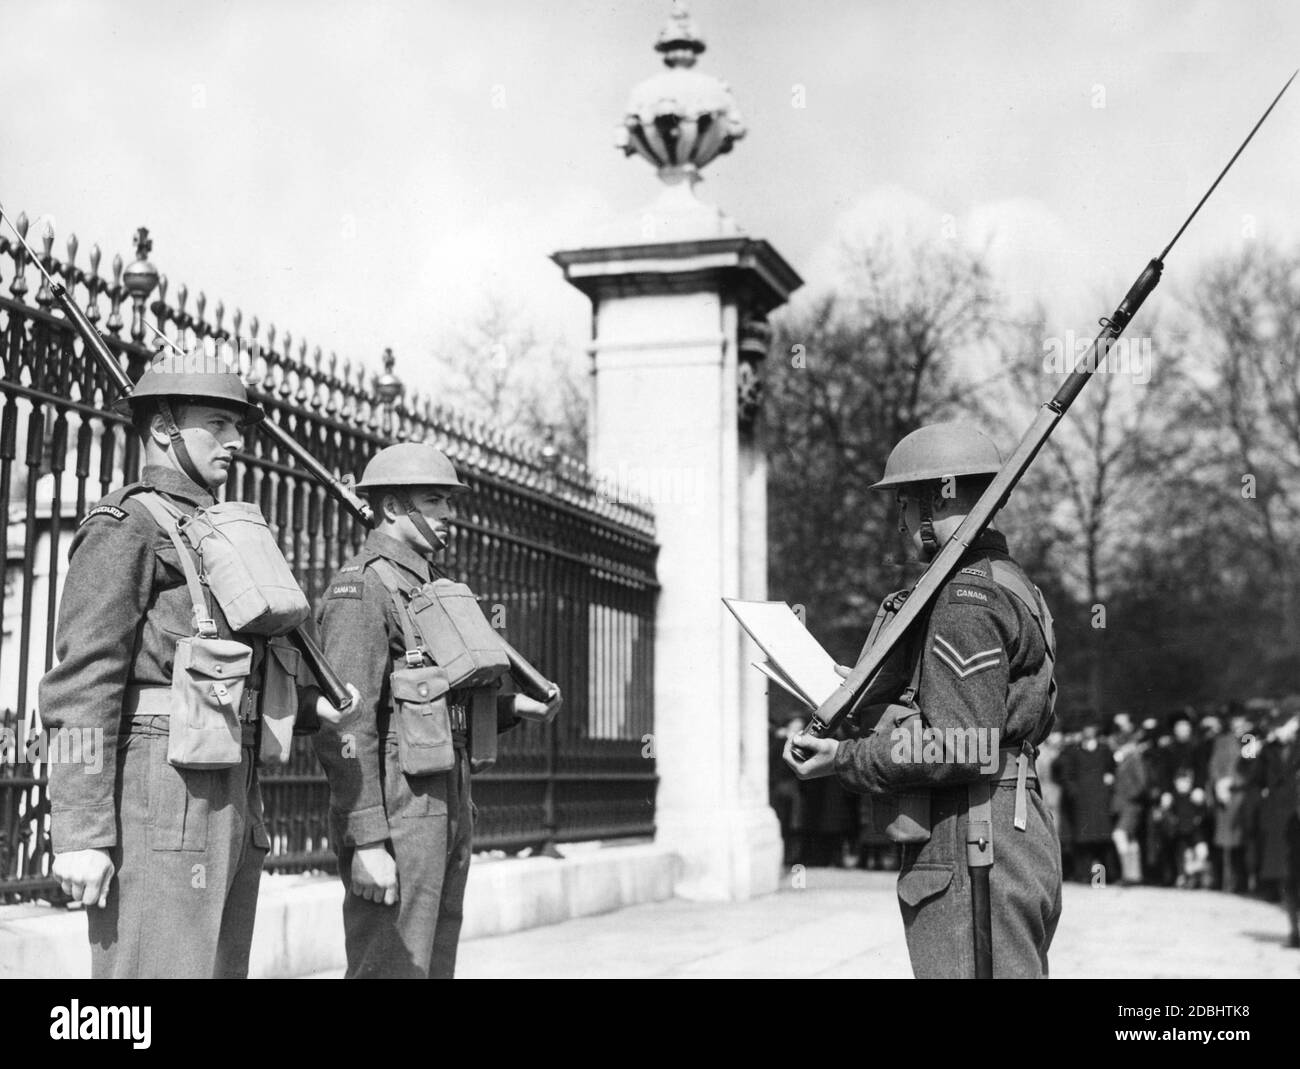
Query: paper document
(795, 660)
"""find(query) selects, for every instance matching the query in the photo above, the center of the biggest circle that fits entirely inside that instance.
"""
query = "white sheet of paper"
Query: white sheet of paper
(781, 635)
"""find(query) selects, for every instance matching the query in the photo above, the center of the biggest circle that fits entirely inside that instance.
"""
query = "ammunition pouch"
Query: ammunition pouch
(904, 816)
(422, 721)
(901, 818)
(279, 702)
(208, 679)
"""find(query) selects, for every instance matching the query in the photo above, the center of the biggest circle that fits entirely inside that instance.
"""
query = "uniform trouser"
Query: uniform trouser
(934, 889)
(189, 853)
(431, 825)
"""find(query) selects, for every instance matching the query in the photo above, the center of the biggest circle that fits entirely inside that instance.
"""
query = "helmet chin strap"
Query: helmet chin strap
(421, 524)
(178, 443)
(929, 542)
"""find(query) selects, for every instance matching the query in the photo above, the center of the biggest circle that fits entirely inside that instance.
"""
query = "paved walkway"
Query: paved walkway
(846, 924)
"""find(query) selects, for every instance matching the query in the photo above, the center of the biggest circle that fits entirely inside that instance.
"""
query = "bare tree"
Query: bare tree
(1084, 503)
(853, 371)
(500, 367)
(1238, 437)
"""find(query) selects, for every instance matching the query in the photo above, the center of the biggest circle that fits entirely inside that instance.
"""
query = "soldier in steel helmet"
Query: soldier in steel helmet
(961, 705)
(402, 822)
(166, 859)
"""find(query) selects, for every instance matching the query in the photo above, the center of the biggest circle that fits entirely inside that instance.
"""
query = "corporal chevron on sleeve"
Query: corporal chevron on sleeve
(964, 666)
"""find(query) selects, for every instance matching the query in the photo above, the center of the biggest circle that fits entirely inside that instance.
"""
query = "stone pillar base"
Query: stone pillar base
(727, 855)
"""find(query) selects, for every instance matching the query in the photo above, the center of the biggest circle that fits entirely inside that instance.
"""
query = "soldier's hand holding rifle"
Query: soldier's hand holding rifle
(819, 761)
(527, 708)
(328, 714)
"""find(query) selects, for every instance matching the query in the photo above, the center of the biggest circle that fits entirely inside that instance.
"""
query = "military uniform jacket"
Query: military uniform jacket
(363, 640)
(124, 606)
(984, 665)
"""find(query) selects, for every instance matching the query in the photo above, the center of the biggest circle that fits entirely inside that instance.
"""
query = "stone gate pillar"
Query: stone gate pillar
(680, 298)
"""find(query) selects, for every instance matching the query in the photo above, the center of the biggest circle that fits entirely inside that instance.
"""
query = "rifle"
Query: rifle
(842, 702)
(332, 686)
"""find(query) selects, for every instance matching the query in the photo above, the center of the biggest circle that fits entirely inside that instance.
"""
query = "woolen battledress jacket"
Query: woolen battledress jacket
(124, 607)
(364, 642)
(984, 665)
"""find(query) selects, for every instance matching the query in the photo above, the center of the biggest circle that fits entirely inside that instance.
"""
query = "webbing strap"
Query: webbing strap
(979, 824)
(1032, 600)
(887, 611)
(1010, 580)
(1021, 818)
(908, 697)
(167, 516)
(393, 584)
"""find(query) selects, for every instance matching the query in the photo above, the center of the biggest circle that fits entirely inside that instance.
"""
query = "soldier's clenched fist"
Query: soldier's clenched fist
(84, 875)
(374, 874)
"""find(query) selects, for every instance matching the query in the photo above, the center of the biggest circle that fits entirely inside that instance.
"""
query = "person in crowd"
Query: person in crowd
(1128, 798)
(1183, 823)
(1276, 804)
(1086, 776)
(1234, 773)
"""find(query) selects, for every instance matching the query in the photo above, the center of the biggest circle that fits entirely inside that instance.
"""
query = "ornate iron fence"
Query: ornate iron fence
(566, 563)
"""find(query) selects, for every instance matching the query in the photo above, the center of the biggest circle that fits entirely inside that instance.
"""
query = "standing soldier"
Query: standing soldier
(428, 668)
(976, 675)
(165, 844)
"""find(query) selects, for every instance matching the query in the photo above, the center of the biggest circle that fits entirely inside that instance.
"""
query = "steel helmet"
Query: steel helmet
(411, 464)
(940, 451)
(196, 375)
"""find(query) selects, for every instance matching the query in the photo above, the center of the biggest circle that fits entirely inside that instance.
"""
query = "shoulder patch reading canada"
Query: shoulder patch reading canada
(961, 594)
(105, 510)
(346, 590)
(965, 665)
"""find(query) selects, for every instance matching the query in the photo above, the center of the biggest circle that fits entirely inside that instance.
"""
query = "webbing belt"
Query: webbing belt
(158, 701)
(1032, 599)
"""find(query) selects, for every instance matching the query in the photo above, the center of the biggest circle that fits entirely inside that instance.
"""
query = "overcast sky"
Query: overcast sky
(344, 169)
